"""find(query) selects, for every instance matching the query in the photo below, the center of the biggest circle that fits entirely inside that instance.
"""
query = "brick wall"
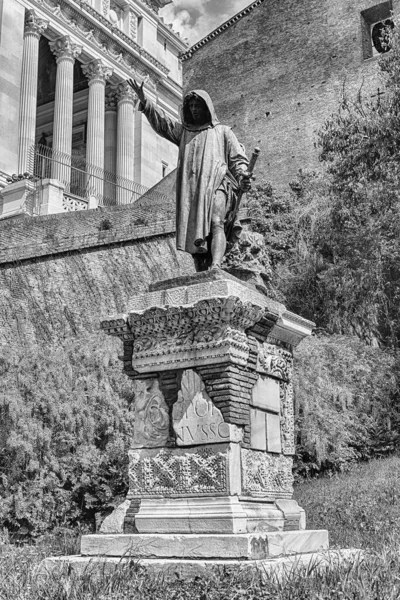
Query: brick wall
(60, 275)
(278, 72)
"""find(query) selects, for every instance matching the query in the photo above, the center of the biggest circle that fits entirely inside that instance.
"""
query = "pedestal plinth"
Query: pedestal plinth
(211, 359)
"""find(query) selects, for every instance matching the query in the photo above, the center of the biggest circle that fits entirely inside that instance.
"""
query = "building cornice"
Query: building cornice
(189, 53)
(155, 5)
(172, 36)
(86, 23)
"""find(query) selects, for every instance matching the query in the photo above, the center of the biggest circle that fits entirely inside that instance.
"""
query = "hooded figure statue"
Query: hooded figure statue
(212, 167)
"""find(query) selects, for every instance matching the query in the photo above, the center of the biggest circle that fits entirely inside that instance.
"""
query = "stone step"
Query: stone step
(280, 568)
(242, 546)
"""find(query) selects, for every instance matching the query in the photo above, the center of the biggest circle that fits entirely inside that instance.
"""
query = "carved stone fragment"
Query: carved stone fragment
(265, 475)
(196, 420)
(151, 429)
(274, 361)
(287, 419)
(178, 472)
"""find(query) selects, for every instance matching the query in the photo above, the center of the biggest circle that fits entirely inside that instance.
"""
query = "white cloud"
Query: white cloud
(194, 19)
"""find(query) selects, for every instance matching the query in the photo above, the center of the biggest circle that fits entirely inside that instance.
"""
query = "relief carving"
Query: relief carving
(151, 429)
(274, 361)
(266, 475)
(168, 473)
(214, 320)
(196, 420)
(287, 418)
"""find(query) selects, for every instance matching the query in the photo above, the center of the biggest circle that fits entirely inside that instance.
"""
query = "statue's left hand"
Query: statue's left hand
(138, 89)
(245, 182)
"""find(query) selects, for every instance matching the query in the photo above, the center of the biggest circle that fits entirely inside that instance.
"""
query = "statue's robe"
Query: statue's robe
(210, 159)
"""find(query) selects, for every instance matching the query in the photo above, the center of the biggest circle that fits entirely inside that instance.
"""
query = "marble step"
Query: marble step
(242, 546)
(280, 568)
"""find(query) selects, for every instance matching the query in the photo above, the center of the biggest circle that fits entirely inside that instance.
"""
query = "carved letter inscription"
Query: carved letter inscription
(196, 419)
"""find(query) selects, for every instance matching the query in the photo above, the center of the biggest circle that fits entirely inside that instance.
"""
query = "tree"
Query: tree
(357, 236)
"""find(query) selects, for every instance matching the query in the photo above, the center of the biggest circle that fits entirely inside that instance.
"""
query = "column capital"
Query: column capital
(111, 99)
(96, 70)
(34, 25)
(125, 93)
(64, 47)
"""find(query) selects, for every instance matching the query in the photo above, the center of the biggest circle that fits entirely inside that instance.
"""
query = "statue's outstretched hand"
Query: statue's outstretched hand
(245, 182)
(138, 89)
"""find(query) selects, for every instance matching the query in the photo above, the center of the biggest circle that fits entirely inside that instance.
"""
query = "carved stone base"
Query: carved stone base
(191, 515)
(209, 470)
(221, 514)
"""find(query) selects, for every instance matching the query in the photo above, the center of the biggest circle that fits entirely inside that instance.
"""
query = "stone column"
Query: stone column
(97, 73)
(66, 52)
(110, 147)
(125, 144)
(34, 27)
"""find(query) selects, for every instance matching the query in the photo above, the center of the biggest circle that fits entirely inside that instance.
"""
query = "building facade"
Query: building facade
(69, 122)
(277, 70)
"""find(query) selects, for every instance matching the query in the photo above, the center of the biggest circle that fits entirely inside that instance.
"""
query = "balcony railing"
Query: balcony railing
(85, 183)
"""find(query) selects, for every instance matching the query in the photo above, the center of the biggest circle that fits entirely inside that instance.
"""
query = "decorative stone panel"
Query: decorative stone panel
(185, 472)
(265, 475)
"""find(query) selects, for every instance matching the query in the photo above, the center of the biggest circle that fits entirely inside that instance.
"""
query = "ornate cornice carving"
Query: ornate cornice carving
(64, 47)
(96, 70)
(212, 329)
(155, 5)
(106, 7)
(109, 39)
(34, 25)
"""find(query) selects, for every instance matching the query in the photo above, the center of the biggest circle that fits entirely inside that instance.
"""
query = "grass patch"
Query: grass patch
(359, 509)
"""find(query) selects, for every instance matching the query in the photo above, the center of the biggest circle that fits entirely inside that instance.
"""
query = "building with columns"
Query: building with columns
(71, 135)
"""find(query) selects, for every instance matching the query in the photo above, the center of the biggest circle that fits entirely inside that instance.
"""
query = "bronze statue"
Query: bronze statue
(212, 170)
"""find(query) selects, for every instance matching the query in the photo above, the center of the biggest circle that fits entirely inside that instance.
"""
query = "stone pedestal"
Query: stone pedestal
(51, 193)
(16, 198)
(211, 360)
(210, 464)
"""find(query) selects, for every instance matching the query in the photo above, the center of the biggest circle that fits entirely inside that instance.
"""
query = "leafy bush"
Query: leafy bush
(65, 423)
(346, 403)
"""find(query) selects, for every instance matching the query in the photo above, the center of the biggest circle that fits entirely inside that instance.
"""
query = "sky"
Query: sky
(194, 19)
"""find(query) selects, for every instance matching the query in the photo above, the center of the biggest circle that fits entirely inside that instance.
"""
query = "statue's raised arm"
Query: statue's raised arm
(212, 169)
(168, 128)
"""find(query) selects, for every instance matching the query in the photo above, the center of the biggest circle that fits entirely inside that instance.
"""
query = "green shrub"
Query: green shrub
(346, 403)
(65, 422)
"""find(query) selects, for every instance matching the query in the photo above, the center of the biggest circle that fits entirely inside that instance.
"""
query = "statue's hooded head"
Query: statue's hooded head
(200, 101)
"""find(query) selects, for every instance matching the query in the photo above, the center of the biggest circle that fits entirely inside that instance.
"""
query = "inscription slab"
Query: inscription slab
(273, 427)
(258, 434)
(196, 419)
(266, 394)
